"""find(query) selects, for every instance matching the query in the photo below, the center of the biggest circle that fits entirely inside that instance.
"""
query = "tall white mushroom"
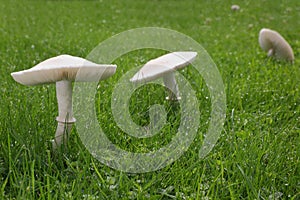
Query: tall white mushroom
(165, 66)
(63, 70)
(272, 42)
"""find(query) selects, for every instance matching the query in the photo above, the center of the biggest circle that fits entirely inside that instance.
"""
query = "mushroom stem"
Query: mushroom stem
(65, 117)
(170, 83)
(61, 134)
(270, 52)
(64, 100)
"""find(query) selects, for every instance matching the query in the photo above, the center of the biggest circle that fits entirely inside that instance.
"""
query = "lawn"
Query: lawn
(257, 155)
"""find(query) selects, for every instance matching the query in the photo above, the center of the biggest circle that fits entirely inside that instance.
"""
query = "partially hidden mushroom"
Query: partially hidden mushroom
(63, 70)
(165, 66)
(276, 46)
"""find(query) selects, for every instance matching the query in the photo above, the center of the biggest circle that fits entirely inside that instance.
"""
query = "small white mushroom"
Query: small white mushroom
(276, 46)
(165, 66)
(235, 7)
(63, 70)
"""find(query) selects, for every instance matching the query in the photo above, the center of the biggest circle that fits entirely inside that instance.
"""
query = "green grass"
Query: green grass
(257, 155)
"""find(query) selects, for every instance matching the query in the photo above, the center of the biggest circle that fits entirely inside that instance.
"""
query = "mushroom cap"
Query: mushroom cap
(272, 42)
(64, 67)
(164, 64)
(235, 7)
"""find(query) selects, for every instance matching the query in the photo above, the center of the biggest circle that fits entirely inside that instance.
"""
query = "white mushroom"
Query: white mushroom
(165, 66)
(235, 7)
(272, 42)
(63, 70)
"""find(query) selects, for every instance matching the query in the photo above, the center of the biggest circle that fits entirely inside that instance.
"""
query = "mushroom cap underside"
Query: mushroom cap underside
(272, 40)
(64, 67)
(164, 64)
